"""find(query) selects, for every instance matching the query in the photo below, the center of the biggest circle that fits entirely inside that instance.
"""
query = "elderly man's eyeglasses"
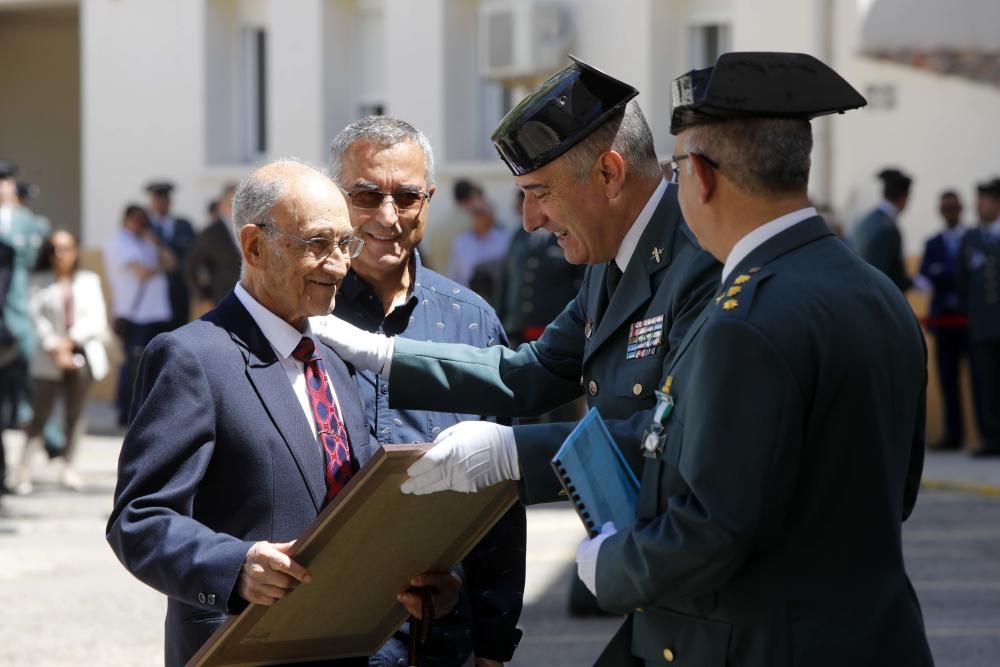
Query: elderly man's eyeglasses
(321, 247)
(403, 201)
(675, 164)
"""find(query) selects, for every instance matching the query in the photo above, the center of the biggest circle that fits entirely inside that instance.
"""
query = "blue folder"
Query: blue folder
(597, 479)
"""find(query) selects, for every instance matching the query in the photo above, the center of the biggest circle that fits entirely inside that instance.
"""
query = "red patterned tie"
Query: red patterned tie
(332, 434)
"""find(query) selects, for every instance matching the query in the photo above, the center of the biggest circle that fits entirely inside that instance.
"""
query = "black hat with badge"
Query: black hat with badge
(754, 84)
(7, 169)
(557, 115)
(160, 188)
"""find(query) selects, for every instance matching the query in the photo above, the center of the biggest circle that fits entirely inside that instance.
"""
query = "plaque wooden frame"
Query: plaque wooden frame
(361, 550)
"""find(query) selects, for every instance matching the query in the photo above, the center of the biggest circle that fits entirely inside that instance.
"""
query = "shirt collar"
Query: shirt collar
(888, 209)
(759, 236)
(631, 240)
(282, 336)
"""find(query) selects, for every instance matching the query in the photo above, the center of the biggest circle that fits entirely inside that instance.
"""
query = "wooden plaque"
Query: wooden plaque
(362, 551)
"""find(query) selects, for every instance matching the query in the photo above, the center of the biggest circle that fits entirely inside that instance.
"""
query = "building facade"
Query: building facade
(103, 95)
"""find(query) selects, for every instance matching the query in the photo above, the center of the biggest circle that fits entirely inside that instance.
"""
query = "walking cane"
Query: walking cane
(420, 629)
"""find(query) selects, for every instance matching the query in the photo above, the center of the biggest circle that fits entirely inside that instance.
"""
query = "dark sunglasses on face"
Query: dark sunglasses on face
(369, 199)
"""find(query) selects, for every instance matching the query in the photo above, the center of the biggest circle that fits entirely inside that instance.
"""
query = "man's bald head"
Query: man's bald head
(289, 217)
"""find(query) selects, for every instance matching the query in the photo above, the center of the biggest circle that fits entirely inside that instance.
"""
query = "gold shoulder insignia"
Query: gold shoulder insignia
(729, 304)
(742, 278)
(734, 290)
(753, 270)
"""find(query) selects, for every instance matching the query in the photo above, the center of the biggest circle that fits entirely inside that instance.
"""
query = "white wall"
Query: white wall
(143, 106)
(296, 94)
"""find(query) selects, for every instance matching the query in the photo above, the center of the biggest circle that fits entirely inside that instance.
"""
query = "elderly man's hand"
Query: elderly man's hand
(468, 457)
(444, 593)
(362, 349)
(269, 573)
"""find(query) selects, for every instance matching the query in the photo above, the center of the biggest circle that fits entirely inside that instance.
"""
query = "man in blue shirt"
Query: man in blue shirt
(386, 168)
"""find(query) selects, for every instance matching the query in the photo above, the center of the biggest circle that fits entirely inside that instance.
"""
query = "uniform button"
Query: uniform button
(532, 262)
(592, 387)
(384, 389)
(529, 276)
(201, 598)
(668, 655)
(211, 598)
(637, 389)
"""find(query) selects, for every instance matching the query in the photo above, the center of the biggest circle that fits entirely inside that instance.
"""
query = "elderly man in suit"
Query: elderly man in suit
(242, 427)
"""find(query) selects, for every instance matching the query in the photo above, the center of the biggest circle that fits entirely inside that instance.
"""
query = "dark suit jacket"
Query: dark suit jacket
(939, 264)
(879, 242)
(213, 266)
(668, 281)
(180, 244)
(218, 456)
(768, 529)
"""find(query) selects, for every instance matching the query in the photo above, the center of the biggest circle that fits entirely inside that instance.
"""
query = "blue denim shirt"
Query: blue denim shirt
(439, 309)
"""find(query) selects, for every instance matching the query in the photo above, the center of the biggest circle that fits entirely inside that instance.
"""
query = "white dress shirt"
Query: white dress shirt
(284, 338)
(631, 240)
(129, 299)
(759, 236)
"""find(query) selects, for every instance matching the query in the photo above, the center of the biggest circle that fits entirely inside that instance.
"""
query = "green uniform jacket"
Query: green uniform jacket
(25, 236)
(879, 242)
(668, 277)
(768, 528)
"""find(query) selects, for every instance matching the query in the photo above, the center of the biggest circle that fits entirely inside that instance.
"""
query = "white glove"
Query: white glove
(586, 556)
(362, 349)
(467, 457)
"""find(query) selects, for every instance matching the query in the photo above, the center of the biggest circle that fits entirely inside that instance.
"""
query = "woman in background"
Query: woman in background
(67, 309)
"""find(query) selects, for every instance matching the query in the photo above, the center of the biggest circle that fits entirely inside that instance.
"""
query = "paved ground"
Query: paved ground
(67, 601)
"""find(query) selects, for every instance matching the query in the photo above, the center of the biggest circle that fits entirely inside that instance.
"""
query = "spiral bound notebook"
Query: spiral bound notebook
(597, 479)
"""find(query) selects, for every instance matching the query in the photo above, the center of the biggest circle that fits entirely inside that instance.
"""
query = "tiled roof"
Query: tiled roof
(981, 66)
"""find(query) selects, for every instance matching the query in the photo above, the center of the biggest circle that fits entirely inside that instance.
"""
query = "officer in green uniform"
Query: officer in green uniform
(768, 526)
(584, 157)
(978, 278)
(23, 231)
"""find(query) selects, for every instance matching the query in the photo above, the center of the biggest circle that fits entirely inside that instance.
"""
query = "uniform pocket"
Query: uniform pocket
(660, 637)
(637, 378)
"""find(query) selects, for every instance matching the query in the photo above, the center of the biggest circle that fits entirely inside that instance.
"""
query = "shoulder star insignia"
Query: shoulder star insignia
(742, 278)
(729, 304)
(734, 290)
(657, 253)
(753, 270)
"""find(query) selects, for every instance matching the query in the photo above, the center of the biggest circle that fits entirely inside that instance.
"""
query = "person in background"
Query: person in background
(213, 267)
(979, 285)
(8, 353)
(52, 435)
(877, 238)
(178, 236)
(946, 319)
(386, 166)
(22, 231)
(71, 329)
(536, 282)
(137, 263)
(485, 241)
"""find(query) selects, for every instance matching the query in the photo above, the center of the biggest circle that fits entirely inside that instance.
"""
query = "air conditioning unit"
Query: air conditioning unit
(522, 38)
